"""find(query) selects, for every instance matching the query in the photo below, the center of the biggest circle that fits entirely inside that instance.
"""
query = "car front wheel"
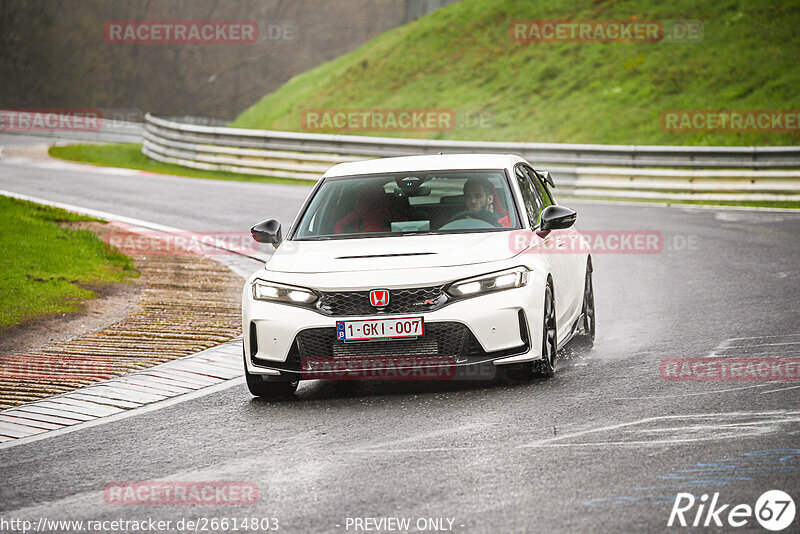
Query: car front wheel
(546, 367)
(269, 389)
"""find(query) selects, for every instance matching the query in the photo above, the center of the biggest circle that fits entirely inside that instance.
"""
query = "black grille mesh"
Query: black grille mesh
(447, 340)
(411, 300)
(442, 341)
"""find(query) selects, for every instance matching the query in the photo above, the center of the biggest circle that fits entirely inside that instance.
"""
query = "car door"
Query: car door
(568, 259)
(554, 246)
(541, 244)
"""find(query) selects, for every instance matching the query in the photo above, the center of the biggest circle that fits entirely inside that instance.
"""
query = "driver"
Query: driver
(479, 197)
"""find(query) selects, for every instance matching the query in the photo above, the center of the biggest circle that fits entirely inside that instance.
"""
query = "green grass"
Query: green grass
(129, 156)
(48, 269)
(462, 58)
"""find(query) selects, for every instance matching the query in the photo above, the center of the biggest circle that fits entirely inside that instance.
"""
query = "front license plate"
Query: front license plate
(379, 329)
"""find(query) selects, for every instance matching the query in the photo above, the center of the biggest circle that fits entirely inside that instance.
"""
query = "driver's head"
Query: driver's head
(478, 194)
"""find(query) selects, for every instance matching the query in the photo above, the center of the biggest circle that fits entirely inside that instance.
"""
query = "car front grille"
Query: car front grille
(411, 300)
(441, 340)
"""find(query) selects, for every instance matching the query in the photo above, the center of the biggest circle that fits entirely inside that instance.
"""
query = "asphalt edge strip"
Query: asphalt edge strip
(67, 404)
(197, 365)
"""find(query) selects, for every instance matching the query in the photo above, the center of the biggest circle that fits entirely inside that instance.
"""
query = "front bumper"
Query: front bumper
(496, 327)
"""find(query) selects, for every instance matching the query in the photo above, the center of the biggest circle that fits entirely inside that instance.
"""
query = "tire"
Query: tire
(588, 309)
(546, 367)
(269, 389)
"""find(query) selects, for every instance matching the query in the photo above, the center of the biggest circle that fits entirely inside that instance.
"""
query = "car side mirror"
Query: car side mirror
(268, 231)
(557, 218)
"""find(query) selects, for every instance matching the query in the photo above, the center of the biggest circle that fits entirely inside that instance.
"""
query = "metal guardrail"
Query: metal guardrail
(107, 131)
(708, 173)
(578, 169)
(206, 138)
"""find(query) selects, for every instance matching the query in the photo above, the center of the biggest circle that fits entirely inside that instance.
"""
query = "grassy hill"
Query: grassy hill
(462, 58)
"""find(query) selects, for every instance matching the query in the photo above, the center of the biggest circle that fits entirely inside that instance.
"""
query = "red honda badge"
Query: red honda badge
(379, 297)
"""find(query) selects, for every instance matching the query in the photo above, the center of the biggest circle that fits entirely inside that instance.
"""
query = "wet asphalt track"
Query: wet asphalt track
(604, 446)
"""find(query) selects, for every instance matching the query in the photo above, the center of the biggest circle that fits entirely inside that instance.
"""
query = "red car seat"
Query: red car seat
(371, 212)
(497, 204)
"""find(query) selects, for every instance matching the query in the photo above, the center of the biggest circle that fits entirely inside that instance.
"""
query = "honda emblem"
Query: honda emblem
(379, 297)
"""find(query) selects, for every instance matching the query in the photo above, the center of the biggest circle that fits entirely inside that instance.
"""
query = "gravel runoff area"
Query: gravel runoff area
(186, 303)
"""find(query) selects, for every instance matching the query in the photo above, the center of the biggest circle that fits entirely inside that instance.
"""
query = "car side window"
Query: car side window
(533, 206)
(541, 189)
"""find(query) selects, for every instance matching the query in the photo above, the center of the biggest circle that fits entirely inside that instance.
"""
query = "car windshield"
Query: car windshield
(409, 203)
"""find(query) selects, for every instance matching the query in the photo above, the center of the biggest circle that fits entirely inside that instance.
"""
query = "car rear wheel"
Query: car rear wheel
(269, 389)
(588, 304)
(546, 367)
(588, 310)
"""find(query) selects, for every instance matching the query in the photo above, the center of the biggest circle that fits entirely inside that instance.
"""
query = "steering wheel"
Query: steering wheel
(484, 215)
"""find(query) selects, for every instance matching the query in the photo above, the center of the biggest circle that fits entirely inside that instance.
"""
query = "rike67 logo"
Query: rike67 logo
(774, 511)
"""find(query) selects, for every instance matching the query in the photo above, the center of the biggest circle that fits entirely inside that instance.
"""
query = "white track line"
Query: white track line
(778, 390)
(762, 337)
(93, 213)
(551, 442)
(759, 346)
(113, 217)
(712, 392)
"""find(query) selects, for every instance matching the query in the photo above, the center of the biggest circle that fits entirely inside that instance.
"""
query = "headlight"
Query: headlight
(263, 290)
(516, 277)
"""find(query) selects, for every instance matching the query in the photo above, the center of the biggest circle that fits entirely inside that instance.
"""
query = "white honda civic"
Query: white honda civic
(420, 267)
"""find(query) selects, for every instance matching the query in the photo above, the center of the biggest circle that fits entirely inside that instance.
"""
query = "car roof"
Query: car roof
(439, 162)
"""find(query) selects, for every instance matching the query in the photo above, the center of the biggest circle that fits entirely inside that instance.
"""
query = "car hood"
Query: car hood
(401, 252)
